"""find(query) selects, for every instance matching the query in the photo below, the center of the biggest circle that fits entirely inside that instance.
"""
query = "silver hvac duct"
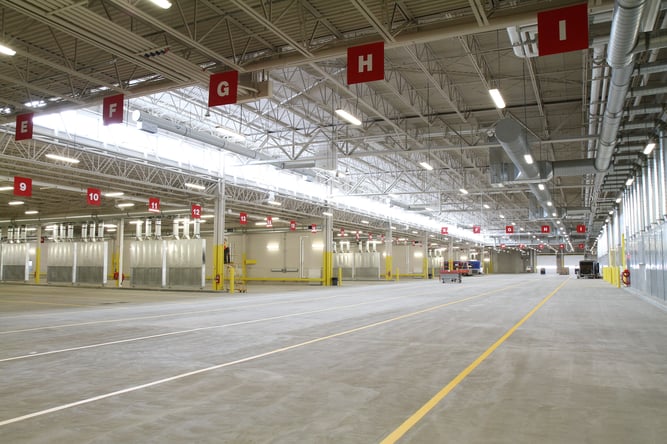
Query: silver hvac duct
(570, 168)
(158, 229)
(70, 232)
(149, 228)
(197, 228)
(137, 228)
(175, 228)
(651, 192)
(100, 230)
(512, 137)
(186, 227)
(91, 230)
(84, 231)
(623, 37)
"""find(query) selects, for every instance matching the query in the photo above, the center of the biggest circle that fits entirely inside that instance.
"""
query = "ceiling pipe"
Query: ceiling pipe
(623, 38)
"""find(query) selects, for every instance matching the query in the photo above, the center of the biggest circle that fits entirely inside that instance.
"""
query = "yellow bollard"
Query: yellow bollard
(231, 280)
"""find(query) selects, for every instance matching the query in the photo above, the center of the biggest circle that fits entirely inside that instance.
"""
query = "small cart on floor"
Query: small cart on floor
(450, 276)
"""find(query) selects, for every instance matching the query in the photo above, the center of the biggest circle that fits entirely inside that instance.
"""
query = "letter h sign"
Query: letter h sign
(365, 63)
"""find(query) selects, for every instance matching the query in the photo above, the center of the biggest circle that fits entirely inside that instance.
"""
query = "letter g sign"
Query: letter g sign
(223, 88)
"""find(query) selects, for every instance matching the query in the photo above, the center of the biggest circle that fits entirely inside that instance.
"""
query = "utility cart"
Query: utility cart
(450, 276)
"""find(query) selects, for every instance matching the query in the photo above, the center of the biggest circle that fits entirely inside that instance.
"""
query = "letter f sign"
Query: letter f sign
(112, 109)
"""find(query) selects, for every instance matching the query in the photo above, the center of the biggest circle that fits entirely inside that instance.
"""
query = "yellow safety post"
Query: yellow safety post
(451, 264)
(231, 279)
(340, 276)
(387, 267)
(38, 255)
(218, 267)
(425, 267)
(397, 279)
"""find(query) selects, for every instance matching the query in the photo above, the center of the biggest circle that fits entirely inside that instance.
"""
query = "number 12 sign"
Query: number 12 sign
(196, 211)
(94, 197)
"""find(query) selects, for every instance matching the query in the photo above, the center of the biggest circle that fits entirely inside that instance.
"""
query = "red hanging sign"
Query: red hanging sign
(444, 230)
(357, 236)
(94, 197)
(292, 225)
(112, 109)
(154, 204)
(502, 246)
(509, 229)
(196, 211)
(581, 228)
(370, 236)
(546, 229)
(476, 229)
(342, 232)
(243, 218)
(223, 88)
(22, 186)
(269, 222)
(582, 246)
(561, 246)
(24, 126)
(365, 63)
(562, 30)
(313, 228)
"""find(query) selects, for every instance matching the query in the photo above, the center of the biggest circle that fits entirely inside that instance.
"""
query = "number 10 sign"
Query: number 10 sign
(94, 197)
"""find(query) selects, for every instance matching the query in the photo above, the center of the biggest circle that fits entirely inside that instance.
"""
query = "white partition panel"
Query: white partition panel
(60, 262)
(15, 262)
(186, 261)
(147, 263)
(92, 262)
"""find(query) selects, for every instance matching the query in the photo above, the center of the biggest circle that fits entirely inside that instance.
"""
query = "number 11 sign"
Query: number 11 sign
(154, 204)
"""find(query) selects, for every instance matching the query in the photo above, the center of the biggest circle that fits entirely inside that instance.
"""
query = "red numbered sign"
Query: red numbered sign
(581, 246)
(22, 186)
(243, 218)
(223, 88)
(476, 229)
(561, 246)
(94, 197)
(269, 222)
(541, 246)
(503, 246)
(313, 228)
(196, 211)
(522, 246)
(342, 232)
(370, 236)
(292, 225)
(546, 229)
(444, 230)
(356, 236)
(154, 204)
(581, 228)
(509, 229)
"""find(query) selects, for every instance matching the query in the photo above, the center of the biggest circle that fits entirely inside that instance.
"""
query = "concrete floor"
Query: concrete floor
(483, 361)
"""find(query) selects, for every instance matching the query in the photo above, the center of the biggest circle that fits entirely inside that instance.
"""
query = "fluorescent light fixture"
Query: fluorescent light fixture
(364, 221)
(195, 186)
(260, 224)
(549, 203)
(557, 222)
(497, 98)
(136, 222)
(6, 188)
(486, 206)
(540, 186)
(6, 50)
(619, 199)
(62, 158)
(229, 133)
(554, 214)
(348, 117)
(29, 212)
(463, 191)
(426, 166)
(15, 202)
(502, 216)
(110, 226)
(113, 194)
(164, 4)
(207, 216)
(528, 158)
(629, 181)
(326, 213)
(274, 202)
(125, 204)
(649, 148)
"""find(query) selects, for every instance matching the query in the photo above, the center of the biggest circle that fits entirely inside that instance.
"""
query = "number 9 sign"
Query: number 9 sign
(94, 197)
(22, 186)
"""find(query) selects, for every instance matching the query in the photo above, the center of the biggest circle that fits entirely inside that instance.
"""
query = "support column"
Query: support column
(388, 250)
(425, 257)
(38, 253)
(219, 239)
(120, 242)
(450, 254)
(327, 260)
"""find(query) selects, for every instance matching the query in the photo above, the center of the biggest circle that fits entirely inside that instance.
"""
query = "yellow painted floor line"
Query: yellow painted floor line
(242, 360)
(435, 400)
(23, 301)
